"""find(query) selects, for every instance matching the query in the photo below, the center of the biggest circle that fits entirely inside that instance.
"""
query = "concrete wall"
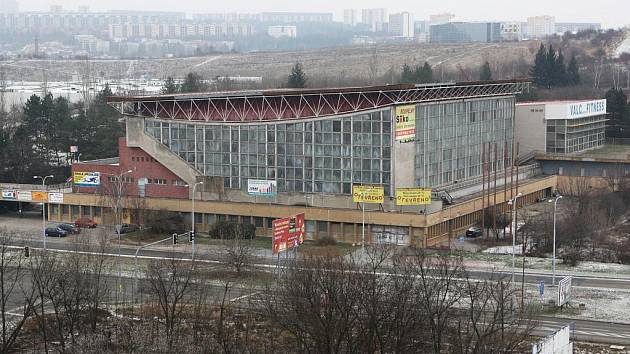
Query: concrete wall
(530, 128)
(585, 168)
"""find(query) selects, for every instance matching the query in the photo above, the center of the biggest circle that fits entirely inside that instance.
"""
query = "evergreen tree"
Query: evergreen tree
(424, 73)
(617, 105)
(551, 62)
(407, 76)
(573, 72)
(485, 73)
(297, 78)
(193, 83)
(169, 86)
(539, 71)
(560, 71)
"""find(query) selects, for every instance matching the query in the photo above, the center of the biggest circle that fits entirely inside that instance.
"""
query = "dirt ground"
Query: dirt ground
(336, 62)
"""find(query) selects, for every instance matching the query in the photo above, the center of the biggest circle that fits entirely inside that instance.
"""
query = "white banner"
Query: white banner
(24, 196)
(9, 194)
(261, 187)
(56, 198)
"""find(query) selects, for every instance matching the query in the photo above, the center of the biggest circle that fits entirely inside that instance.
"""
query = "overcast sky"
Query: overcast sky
(612, 13)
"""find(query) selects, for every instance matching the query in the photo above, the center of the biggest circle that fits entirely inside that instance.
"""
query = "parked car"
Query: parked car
(127, 228)
(55, 232)
(85, 222)
(69, 228)
(473, 232)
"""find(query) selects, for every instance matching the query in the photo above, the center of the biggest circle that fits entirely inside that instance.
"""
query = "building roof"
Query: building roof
(287, 104)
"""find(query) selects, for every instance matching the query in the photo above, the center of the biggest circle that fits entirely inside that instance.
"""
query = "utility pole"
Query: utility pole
(192, 237)
(43, 178)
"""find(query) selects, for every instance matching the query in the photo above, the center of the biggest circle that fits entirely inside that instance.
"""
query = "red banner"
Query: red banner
(287, 233)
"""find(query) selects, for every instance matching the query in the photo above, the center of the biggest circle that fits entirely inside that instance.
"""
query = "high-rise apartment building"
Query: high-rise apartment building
(8, 6)
(350, 17)
(401, 25)
(541, 26)
(374, 18)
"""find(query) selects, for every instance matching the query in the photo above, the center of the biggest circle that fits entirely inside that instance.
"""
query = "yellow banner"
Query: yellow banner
(405, 123)
(41, 197)
(413, 196)
(368, 194)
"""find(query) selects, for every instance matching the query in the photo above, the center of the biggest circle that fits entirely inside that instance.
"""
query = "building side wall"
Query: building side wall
(529, 129)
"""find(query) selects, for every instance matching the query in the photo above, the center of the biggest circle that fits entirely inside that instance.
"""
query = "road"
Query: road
(587, 331)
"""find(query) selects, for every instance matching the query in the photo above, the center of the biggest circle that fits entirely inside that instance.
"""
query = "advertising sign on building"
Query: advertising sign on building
(9, 194)
(413, 196)
(564, 291)
(39, 196)
(261, 187)
(87, 179)
(288, 233)
(24, 196)
(368, 194)
(405, 123)
(56, 198)
(586, 109)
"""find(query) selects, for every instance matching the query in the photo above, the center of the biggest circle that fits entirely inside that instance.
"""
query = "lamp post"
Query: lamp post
(514, 203)
(553, 261)
(193, 219)
(43, 178)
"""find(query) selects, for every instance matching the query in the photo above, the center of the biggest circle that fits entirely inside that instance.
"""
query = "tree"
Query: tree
(407, 76)
(617, 105)
(297, 78)
(169, 86)
(539, 71)
(486, 73)
(193, 83)
(573, 72)
(424, 74)
(560, 71)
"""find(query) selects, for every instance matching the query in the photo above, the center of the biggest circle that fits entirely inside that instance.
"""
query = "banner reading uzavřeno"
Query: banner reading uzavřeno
(405, 123)
(413, 196)
(368, 194)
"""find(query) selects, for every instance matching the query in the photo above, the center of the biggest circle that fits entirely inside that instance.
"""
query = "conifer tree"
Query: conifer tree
(297, 78)
(486, 73)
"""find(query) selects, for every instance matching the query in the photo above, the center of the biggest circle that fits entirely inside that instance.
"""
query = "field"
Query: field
(351, 63)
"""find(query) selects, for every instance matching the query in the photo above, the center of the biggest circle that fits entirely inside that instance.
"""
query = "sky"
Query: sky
(611, 13)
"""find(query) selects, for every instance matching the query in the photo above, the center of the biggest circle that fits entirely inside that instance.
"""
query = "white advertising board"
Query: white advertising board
(24, 196)
(55, 198)
(9, 194)
(586, 109)
(261, 187)
(564, 291)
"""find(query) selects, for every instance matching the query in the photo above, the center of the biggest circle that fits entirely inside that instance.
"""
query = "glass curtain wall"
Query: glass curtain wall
(450, 137)
(326, 155)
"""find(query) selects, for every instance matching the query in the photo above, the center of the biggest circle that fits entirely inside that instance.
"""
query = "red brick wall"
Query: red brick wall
(143, 166)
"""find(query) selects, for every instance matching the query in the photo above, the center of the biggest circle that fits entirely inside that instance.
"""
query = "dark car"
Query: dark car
(85, 222)
(55, 232)
(473, 232)
(127, 228)
(69, 228)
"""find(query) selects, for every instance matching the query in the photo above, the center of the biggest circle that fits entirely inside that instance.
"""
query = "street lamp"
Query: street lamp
(193, 218)
(43, 205)
(514, 203)
(553, 261)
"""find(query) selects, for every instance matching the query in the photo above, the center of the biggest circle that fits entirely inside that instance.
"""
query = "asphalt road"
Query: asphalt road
(587, 331)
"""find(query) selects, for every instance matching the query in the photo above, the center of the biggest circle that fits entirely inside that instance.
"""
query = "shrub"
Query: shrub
(228, 230)
(326, 241)
(166, 222)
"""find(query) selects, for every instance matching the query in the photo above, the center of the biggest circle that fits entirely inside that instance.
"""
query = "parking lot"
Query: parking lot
(29, 227)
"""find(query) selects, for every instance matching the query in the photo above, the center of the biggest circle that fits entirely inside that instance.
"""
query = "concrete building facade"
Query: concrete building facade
(401, 25)
(465, 32)
(541, 26)
(563, 127)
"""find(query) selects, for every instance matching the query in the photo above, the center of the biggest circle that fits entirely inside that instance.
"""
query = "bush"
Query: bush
(571, 257)
(166, 222)
(326, 241)
(228, 230)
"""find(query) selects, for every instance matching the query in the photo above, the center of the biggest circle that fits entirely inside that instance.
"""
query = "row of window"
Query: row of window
(142, 159)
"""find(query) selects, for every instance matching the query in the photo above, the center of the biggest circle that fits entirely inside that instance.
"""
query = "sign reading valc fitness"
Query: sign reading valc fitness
(405, 123)
(413, 196)
(368, 194)
(586, 109)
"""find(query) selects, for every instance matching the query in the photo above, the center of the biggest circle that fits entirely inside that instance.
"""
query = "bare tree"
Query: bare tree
(170, 282)
(12, 292)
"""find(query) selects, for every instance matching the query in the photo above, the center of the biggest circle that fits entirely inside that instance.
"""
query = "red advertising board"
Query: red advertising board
(287, 233)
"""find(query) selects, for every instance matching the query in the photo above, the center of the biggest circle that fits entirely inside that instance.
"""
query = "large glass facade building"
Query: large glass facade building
(329, 155)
